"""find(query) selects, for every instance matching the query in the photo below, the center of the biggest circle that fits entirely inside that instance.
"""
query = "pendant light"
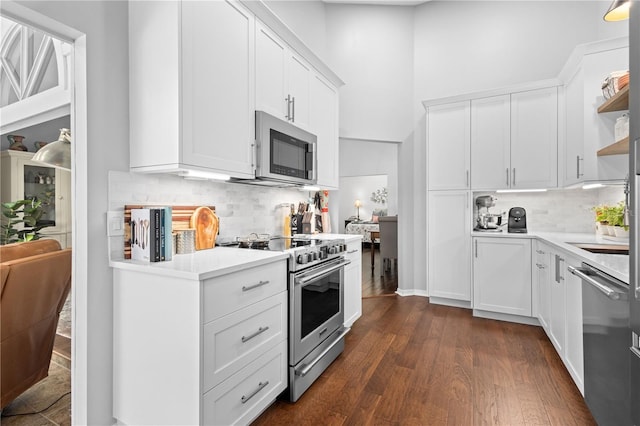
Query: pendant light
(618, 11)
(56, 154)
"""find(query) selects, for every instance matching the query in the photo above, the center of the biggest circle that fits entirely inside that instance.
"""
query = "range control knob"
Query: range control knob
(302, 259)
(332, 250)
(315, 255)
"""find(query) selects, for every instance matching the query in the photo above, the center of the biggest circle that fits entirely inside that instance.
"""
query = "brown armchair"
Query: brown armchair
(35, 281)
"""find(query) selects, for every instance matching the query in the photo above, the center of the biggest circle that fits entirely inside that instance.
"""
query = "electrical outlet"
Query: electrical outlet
(115, 224)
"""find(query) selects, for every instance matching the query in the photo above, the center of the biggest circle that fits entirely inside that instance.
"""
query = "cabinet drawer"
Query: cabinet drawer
(354, 251)
(242, 397)
(228, 293)
(233, 341)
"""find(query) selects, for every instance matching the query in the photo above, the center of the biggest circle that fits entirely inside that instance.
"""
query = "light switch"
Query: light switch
(115, 224)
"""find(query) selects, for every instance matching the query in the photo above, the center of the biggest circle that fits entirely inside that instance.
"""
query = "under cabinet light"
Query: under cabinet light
(592, 185)
(197, 174)
(520, 190)
(310, 188)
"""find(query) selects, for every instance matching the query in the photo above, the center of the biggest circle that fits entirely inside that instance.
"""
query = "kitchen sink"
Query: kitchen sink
(603, 248)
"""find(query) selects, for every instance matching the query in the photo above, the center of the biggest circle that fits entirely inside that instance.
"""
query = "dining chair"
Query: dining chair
(388, 241)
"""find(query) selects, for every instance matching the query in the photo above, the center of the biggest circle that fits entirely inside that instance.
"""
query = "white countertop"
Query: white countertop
(204, 264)
(616, 265)
(218, 261)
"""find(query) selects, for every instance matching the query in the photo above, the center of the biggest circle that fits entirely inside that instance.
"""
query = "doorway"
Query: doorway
(75, 324)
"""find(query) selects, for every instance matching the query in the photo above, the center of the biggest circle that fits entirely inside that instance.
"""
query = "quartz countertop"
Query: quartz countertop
(204, 264)
(616, 265)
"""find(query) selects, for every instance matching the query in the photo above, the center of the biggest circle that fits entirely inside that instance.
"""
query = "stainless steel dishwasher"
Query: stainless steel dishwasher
(605, 336)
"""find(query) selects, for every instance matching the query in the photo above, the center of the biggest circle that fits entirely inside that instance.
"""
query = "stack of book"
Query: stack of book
(151, 238)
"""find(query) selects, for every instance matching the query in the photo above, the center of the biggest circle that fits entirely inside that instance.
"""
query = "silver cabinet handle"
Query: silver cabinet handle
(540, 265)
(539, 251)
(251, 287)
(352, 251)
(578, 174)
(507, 177)
(513, 179)
(261, 330)
(293, 109)
(288, 101)
(608, 291)
(305, 369)
(476, 248)
(261, 386)
(467, 178)
(557, 279)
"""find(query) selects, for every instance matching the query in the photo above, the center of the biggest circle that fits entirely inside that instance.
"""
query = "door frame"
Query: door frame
(79, 195)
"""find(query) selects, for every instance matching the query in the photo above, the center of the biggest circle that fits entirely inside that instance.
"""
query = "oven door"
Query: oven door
(316, 306)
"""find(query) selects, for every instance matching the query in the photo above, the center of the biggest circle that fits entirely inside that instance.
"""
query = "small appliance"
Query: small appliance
(485, 220)
(285, 154)
(517, 222)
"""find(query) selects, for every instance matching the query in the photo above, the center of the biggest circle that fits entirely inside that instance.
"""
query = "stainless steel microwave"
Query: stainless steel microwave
(284, 152)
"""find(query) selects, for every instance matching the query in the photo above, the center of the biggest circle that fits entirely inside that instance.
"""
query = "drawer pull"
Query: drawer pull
(261, 386)
(251, 287)
(352, 251)
(261, 330)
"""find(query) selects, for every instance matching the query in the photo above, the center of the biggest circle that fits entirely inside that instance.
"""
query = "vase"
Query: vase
(15, 143)
(621, 232)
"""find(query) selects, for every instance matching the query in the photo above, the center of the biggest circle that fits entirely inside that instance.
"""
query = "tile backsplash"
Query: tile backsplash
(567, 210)
(242, 209)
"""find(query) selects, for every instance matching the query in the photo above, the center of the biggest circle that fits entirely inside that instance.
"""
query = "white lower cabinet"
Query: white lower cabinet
(502, 275)
(541, 275)
(563, 302)
(189, 351)
(353, 283)
(449, 245)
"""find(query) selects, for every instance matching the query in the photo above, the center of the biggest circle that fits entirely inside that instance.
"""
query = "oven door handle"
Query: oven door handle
(303, 279)
(305, 370)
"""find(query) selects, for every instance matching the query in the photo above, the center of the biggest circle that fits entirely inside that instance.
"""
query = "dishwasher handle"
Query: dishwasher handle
(602, 287)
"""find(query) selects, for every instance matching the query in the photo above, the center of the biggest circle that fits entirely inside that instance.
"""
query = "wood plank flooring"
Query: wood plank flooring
(373, 283)
(408, 362)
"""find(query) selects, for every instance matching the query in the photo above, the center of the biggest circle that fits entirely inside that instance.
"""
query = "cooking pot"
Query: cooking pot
(489, 220)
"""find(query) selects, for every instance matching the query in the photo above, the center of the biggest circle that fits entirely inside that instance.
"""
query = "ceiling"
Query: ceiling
(379, 2)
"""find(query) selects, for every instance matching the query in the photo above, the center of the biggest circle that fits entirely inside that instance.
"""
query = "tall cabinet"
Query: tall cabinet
(23, 179)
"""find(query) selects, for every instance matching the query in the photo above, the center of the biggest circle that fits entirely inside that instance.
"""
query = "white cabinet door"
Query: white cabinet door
(557, 326)
(218, 86)
(542, 274)
(574, 358)
(490, 143)
(534, 139)
(448, 146)
(353, 284)
(324, 124)
(573, 171)
(271, 63)
(300, 77)
(449, 228)
(502, 275)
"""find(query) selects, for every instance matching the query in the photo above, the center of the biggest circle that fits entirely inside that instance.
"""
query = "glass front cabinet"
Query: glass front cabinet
(24, 179)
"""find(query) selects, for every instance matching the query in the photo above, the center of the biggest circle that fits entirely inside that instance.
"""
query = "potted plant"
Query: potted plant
(602, 219)
(20, 221)
(617, 221)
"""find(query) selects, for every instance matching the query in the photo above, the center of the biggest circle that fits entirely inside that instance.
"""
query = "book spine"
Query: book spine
(163, 245)
(168, 232)
(155, 247)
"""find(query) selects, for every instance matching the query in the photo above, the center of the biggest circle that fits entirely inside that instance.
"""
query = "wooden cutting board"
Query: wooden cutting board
(206, 224)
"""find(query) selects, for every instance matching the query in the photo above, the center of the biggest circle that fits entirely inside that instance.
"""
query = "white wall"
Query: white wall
(105, 25)
(306, 19)
(359, 188)
(366, 158)
(371, 49)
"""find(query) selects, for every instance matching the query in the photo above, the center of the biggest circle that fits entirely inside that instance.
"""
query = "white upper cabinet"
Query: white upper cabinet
(192, 101)
(534, 139)
(324, 124)
(283, 79)
(588, 131)
(448, 146)
(490, 143)
(271, 65)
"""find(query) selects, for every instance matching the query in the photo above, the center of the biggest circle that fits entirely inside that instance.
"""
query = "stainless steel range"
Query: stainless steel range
(316, 306)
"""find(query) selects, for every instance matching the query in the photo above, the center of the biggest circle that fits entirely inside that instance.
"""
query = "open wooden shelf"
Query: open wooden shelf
(616, 148)
(618, 102)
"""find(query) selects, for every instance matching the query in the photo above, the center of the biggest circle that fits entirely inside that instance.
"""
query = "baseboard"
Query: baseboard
(450, 302)
(413, 292)
(506, 317)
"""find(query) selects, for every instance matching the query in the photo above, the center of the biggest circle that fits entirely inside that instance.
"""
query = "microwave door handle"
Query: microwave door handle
(309, 160)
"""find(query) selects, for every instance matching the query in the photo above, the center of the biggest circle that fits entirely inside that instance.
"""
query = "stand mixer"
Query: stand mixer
(487, 221)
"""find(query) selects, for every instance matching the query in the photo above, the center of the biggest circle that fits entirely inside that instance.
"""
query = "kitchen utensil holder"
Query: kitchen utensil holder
(185, 241)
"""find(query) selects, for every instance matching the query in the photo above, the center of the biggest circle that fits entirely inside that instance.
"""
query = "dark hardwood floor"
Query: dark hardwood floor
(373, 283)
(408, 362)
